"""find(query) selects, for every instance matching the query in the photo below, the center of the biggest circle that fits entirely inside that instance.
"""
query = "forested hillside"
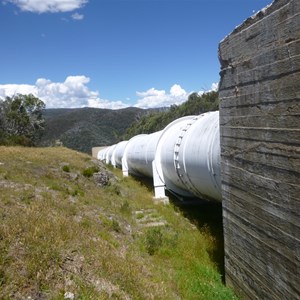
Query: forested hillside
(155, 121)
(83, 128)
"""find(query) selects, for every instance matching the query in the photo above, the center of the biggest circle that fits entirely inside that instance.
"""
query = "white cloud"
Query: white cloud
(13, 89)
(153, 98)
(101, 103)
(215, 86)
(74, 92)
(77, 17)
(71, 93)
(53, 6)
(159, 98)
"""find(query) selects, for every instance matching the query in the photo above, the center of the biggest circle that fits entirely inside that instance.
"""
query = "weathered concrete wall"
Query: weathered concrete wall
(260, 153)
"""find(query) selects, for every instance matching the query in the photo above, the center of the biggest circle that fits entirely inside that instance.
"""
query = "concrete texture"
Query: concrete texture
(260, 153)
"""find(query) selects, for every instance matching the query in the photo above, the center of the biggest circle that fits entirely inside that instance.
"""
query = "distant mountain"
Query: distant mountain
(83, 128)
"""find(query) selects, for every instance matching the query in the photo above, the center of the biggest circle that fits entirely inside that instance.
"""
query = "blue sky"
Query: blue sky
(115, 53)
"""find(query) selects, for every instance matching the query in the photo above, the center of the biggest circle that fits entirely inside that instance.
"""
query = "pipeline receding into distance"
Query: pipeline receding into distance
(184, 158)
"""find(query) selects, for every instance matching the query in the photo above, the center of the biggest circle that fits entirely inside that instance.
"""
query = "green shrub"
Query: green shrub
(140, 216)
(88, 172)
(115, 226)
(153, 240)
(66, 168)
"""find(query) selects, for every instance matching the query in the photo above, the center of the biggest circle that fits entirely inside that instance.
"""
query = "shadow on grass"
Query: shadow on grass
(205, 214)
(145, 181)
(202, 214)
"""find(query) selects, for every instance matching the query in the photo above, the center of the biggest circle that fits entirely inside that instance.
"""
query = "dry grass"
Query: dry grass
(60, 232)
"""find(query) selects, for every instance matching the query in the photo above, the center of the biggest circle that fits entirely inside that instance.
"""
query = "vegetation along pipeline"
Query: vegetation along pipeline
(184, 158)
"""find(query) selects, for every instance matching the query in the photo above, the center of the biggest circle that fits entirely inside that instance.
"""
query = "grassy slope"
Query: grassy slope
(60, 232)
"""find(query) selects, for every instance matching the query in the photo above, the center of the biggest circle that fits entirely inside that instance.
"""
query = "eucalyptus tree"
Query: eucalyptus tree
(21, 120)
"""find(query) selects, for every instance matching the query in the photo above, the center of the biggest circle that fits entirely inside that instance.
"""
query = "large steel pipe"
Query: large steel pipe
(109, 153)
(187, 159)
(183, 158)
(139, 154)
(116, 159)
(102, 154)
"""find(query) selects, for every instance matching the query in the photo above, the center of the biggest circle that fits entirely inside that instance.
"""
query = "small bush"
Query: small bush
(115, 226)
(88, 172)
(140, 216)
(66, 168)
(153, 240)
(15, 140)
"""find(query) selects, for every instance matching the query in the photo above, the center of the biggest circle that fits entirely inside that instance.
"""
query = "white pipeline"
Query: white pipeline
(183, 158)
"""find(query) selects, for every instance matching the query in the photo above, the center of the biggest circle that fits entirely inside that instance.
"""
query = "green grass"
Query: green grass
(60, 232)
